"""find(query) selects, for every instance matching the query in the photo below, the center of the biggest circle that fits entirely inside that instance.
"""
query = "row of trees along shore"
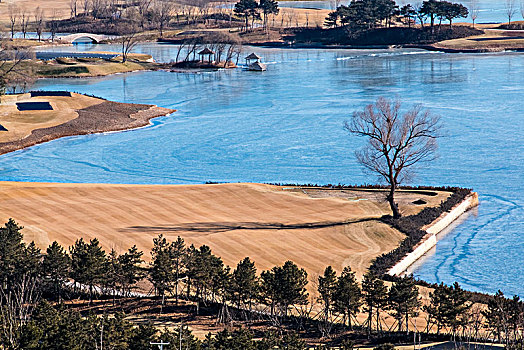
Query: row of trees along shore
(107, 16)
(32, 280)
(370, 13)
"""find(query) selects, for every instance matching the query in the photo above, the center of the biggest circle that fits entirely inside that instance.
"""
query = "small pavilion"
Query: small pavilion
(252, 57)
(256, 65)
(206, 52)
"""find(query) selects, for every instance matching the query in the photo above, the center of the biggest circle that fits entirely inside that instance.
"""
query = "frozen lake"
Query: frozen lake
(285, 125)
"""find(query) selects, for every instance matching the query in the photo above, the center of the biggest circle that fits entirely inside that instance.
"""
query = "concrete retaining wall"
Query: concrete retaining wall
(430, 240)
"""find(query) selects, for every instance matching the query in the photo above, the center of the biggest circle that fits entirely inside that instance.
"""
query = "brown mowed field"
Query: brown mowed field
(270, 224)
(60, 7)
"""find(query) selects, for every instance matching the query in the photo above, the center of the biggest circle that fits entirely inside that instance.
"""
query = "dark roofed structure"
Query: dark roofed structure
(50, 93)
(206, 52)
(34, 106)
(253, 56)
(2, 128)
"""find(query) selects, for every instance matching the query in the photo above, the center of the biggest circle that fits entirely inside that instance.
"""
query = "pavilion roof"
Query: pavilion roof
(253, 56)
(206, 51)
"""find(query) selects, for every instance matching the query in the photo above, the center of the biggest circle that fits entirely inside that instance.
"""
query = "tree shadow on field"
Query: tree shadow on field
(215, 227)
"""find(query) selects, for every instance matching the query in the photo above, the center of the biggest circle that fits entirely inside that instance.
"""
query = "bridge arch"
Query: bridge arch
(83, 39)
(75, 38)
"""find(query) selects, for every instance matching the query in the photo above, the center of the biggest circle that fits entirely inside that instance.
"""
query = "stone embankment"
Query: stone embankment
(430, 239)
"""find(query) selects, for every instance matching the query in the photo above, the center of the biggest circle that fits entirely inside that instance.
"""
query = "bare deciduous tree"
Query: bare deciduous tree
(24, 22)
(39, 22)
(53, 23)
(85, 6)
(474, 10)
(397, 142)
(73, 6)
(16, 308)
(128, 38)
(14, 14)
(511, 9)
(143, 9)
(162, 10)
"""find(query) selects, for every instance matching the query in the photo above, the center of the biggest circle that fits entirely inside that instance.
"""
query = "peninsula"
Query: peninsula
(26, 123)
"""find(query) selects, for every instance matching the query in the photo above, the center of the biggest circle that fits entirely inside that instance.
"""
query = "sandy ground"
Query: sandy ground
(266, 223)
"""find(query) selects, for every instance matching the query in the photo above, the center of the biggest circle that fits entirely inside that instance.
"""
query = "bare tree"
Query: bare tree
(53, 23)
(24, 22)
(397, 142)
(95, 6)
(162, 10)
(17, 307)
(511, 9)
(128, 38)
(193, 46)
(85, 7)
(143, 9)
(14, 13)
(474, 10)
(39, 22)
(73, 6)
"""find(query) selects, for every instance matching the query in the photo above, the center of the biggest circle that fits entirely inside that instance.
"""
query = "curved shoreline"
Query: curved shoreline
(433, 229)
(104, 117)
(431, 47)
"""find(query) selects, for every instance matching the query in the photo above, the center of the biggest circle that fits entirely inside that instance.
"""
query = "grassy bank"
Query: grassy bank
(85, 67)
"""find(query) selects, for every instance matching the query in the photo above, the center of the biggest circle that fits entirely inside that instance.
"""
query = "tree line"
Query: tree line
(251, 9)
(369, 14)
(30, 278)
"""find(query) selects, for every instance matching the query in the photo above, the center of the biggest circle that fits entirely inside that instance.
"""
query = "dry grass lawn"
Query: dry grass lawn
(60, 7)
(270, 224)
(20, 124)
(490, 40)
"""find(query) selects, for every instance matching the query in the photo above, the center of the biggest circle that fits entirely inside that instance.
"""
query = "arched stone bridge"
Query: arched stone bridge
(96, 38)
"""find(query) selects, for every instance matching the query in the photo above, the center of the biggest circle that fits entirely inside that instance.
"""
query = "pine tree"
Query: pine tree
(12, 252)
(404, 301)
(375, 298)
(246, 9)
(496, 315)
(132, 272)
(448, 306)
(161, 271)
(327, 287)
(178, 251)
(269, 289)
(285, 285)
(348, 296)
(190, 263)
(244, 286)
(113, 275)
(88, 262)
(31, 262)
(456, 306)
(269, 7)
(56, 266)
